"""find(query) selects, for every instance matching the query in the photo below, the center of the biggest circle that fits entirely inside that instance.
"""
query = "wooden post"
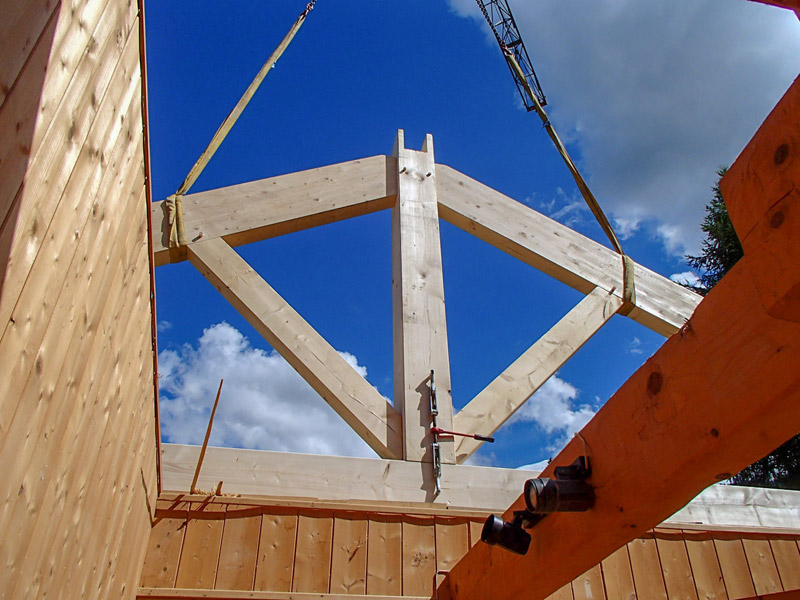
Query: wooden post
(193, 488)
(420, 330)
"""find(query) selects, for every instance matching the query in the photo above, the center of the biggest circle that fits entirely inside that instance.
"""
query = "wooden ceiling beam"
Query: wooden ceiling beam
(249, 212)
(547, 245)
(716, 397)
(349, 394)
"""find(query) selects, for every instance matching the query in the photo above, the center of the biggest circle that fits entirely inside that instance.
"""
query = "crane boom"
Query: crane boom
(498, 15)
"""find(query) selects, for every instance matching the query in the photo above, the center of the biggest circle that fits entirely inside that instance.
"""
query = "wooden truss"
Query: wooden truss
(419, 192)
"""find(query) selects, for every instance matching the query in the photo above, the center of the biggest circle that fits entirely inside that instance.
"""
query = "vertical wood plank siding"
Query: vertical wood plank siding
(365, 551)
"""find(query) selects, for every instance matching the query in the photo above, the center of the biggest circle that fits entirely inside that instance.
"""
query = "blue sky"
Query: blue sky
(651, 98)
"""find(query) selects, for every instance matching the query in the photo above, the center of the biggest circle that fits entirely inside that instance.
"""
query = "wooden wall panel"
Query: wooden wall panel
(239, 550)
(385, 555)
(275, 566)
(349, 558)
(201, 547)
(77, 426)
(617, 576)
(312, 562)
(705, 566)
(419, 557)
(165, 545)
(787, 559)
(391, 550)
(589, 586)
(734, 567)
(646, 568)
(762, 566)
(675, 567)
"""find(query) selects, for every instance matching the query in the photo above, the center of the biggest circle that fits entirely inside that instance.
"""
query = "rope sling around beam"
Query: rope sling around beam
(173, 204)
(628, 285)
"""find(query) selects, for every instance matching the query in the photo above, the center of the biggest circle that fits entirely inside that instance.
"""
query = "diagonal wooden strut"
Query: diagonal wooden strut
(572, 258)
(348, 393)
(498, 401)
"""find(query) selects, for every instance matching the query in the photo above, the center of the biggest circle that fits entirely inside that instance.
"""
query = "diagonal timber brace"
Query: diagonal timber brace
(348, 393)
(499, 400)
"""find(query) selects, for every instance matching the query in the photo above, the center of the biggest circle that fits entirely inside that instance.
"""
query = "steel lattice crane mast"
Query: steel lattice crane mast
(498, 15)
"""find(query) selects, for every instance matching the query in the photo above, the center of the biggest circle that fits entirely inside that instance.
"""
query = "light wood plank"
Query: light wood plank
(762, 565)
(452, 542)
(475, 528)
(188, 594)
(348, 393)
(48, 467)
(349, 561)
(589, 586)
(57, 142)
(312, 562)
(355, 507)
(249, 212)
(646, 568)
(675, 567)
(276, 552)
(617, 575)
(385, 555)
(498, 401)
(545, 244)
(563, 593)
(787, 559)
(419, 557)
(420, 327)
(733, 564)
(34, 281)
(705, 566)
(20, 31)
(201, 547)
(239, 550)
(334, 478)
(164, 546)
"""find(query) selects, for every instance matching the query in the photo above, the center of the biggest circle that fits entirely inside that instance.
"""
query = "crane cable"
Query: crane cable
(174, 205)
(628, 286)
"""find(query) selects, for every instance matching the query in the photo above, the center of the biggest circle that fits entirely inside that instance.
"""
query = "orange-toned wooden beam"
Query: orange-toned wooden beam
(720, 393)
(789, 4)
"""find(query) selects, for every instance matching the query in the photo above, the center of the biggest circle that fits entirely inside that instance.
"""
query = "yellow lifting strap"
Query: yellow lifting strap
(628, 286)
(173, 203)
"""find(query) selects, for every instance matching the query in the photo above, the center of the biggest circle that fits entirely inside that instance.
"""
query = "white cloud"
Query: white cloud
(657, 95)
(635, 346)
(686, 278)
(164, 326)
(553, 408)
(264, 404)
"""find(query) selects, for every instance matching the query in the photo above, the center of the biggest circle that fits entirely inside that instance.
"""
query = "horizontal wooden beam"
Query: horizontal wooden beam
(716, 397)
(349, 394)
(311, 505)
(262, 209)
(499, 400)
(336, 478)
(192, 594)
(661, 304)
